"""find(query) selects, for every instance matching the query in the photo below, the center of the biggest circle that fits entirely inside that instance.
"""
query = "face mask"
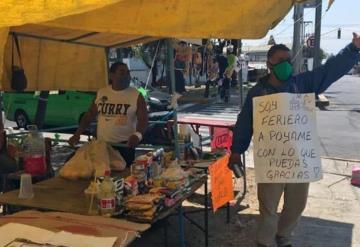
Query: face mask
(283, 70)
(125, 81)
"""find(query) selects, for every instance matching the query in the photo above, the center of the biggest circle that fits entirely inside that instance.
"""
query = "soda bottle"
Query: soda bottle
(107, 196)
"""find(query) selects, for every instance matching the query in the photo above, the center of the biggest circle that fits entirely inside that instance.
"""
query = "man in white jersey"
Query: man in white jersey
(121, 113)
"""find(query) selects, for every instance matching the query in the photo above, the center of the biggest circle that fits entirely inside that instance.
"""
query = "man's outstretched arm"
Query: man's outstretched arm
(321, 78)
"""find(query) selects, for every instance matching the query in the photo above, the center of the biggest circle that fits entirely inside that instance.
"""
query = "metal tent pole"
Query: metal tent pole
(170, 58)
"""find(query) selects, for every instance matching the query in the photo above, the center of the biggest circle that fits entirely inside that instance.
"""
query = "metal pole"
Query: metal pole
(239, 75)
(41, 109)
(170, 56)
(296, 49)
(206, 212)
(166, 223)
(317, 58)
(181, 227)
(107, 50)
(2, 110)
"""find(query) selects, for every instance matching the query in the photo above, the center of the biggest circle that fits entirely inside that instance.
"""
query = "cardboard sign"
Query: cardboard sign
(222, 138)
(286, 144)
(221, 183)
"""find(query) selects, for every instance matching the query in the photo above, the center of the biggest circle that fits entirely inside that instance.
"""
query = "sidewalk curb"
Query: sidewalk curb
(184, 100)
(341, 159)
(185, 106)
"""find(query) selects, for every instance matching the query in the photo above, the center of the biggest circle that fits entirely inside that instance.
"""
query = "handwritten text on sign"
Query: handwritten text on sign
(286, 145)
(222, 190)
(222, 138)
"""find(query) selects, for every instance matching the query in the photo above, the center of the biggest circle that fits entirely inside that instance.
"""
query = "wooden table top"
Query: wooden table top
(55, 194)
(58, 194)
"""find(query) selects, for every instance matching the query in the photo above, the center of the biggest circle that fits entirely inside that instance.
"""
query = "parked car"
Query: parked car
(64, 108)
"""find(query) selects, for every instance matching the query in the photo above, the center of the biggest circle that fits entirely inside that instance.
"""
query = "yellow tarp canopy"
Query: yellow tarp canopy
(62, 58)
(110, 23)
(183, 19)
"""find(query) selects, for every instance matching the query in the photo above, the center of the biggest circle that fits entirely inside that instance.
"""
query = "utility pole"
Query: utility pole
(317, 58)
(239, 75)
(297, 43)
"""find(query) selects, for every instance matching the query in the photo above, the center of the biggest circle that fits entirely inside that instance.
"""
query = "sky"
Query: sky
(343, 14)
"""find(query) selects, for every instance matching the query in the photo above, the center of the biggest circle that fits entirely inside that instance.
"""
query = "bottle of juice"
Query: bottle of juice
(34, 152)
(107, 196)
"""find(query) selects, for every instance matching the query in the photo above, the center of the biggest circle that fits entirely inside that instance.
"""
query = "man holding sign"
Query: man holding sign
(279, 113)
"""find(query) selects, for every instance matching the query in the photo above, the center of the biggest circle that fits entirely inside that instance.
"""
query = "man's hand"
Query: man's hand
(133, 141)
(356, 40)
(235, 158)
(236, 165)
(74, 140)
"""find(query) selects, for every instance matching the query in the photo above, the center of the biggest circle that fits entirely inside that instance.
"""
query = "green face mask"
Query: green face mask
(283, 70)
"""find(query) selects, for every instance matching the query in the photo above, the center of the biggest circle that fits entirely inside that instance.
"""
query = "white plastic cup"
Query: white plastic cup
(26, 188)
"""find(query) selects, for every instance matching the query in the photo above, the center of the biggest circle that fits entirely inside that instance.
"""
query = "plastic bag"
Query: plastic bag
(92, 159)
(79, 166)
(99, 157)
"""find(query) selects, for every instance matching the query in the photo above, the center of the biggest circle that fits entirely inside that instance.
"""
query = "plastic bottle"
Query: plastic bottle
(107, 196)
(34, 152)
(158, 153)
(158, 162)
(138, 171)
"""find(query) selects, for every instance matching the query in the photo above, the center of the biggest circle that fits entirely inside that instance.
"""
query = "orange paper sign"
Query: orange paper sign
(221, 183)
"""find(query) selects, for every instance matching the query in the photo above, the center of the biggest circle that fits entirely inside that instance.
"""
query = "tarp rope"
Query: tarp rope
(152, 65)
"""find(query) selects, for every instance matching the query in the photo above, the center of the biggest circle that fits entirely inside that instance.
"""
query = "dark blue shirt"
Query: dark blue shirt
(316, 81)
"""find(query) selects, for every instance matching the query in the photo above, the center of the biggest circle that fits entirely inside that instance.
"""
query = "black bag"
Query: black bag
(18, 77)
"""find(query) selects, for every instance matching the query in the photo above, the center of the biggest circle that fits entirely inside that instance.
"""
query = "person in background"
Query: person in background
(121, 114)
(229, 71)
(197, 66)
(180, 65)
(213, 72)
(272, 229)
(223, 64)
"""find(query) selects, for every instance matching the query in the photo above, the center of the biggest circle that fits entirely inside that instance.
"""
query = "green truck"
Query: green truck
(64, 108)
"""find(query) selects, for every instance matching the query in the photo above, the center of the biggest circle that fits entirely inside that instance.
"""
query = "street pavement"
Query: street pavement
(332, 215)
(339, 123)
